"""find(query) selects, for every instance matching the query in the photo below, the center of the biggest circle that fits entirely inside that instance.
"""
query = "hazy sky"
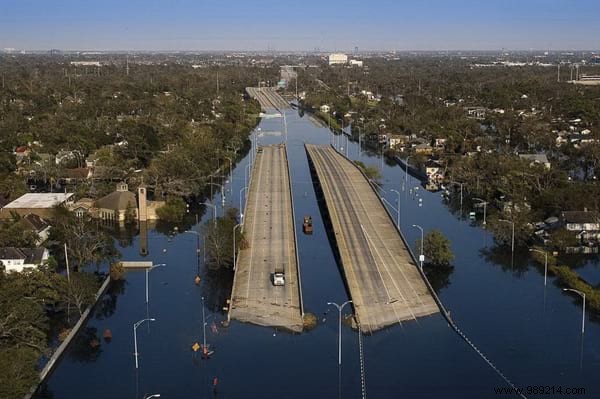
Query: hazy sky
(299, 25)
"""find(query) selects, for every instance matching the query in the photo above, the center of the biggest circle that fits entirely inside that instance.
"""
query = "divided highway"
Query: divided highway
(267, 97)
(270, 232)
(384, 283)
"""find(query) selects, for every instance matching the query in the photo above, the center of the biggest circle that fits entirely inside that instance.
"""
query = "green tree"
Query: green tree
(81, 291)
(219, 240)
(436, 248)
(19, 371)
(173, 211)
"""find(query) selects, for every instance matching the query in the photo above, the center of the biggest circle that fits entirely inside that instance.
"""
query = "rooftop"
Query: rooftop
(38, 200)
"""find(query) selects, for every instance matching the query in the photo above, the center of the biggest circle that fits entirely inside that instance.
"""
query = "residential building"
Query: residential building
(40, 204)
(38, 225)
(581, 221)
(435, 171)
(18, 259)
(396, 141)
(425, 149)
(338, 59)
(476, 112)
(540, 159)
(356, 63)
(82, 207)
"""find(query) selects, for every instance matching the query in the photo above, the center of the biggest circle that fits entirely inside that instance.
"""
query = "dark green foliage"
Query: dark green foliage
(173, 211)
(219, 240)
(19, 372)
(436, 248)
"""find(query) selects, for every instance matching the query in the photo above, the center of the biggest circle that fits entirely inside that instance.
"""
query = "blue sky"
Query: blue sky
(300, 25)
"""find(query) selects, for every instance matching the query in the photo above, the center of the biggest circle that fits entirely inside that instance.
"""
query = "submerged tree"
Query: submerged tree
(219, 239)
(436, 248)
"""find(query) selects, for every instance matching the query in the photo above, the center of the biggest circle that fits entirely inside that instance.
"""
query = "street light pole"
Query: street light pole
(156, 395)
(339, 308)
(484, 208)
(422, 256)
(406, 170)
(135, 326)
(398, 208)
(582, 294)
(214, 211)
(147, 270)
(461, 193)
(241, 209)
(234, 252)
(512, 241)
(545, 252)
(197, 247)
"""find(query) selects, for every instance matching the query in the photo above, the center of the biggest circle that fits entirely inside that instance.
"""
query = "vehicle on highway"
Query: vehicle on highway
(279, 276)
(307, 226)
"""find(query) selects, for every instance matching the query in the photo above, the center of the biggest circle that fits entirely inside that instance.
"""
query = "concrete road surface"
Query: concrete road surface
(269, 230)
(384, 282)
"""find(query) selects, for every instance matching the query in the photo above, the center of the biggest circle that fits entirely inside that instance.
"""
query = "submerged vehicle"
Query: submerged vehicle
(307, 226)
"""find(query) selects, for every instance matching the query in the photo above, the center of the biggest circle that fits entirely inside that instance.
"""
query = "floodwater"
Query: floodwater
(531, 333)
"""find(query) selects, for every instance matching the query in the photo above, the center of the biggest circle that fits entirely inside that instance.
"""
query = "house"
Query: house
(40, 204)
(435, 171)
(540, 159)
(64, 157)
(116, 205)
(22, 153)
(38, 225)
(581, 221)
(18, 259)
(476, 112)
(440, 144)
(324, 108)
(82, 207)
(75, 175)
(395, 141)
(423, 148)
(356, 63)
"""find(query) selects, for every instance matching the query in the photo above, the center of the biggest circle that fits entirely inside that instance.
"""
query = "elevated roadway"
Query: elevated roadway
(385, 284)
(270, 232)
(268, 98)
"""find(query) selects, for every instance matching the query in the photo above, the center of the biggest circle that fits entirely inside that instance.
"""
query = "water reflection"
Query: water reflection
(86, 347)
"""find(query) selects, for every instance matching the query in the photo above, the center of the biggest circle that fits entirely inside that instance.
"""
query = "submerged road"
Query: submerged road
(384, 283)
(269, 231)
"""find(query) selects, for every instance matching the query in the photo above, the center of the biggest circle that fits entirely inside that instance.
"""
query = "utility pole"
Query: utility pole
(217, 84)
(67, 263)
(558, 73)
(128, 65)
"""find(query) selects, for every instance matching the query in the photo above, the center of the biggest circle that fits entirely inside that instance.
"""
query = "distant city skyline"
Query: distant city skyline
(238, 25)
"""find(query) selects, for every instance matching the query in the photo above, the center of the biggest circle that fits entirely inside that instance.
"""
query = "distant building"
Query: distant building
(38, 225)
(119, 205)
(338, 59)
(435, 171)
(540, 159)
(18, 259)
(40, 204)
(581, 220)
(114, 206)
(324, 108)
(356, 63)
(85, 63)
